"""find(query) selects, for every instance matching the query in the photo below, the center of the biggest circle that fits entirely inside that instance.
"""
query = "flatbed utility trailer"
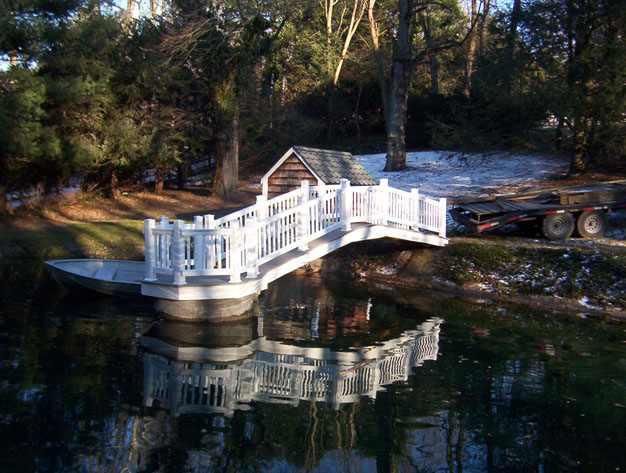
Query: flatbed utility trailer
(559, 211)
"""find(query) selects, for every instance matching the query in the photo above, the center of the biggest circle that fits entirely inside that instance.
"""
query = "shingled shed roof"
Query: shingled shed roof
(332, 166)
(325, 166)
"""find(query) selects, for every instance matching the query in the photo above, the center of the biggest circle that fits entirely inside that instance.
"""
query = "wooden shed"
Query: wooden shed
(318, 166)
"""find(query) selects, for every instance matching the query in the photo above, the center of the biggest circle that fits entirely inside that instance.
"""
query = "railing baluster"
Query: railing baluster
(178, 253)
(303, 217)
(384, 201)
(199, 247)
(210, 242)
(251, 248)
(235, 253)
(415, 205)
(442, 217)
(149, 249)
(164, 244)
(346, 205)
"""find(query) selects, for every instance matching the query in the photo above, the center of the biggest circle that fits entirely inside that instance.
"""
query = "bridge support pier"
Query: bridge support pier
(223, 334)
(212, 310)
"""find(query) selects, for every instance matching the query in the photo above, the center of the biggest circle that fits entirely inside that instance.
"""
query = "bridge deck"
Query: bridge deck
(219, 287)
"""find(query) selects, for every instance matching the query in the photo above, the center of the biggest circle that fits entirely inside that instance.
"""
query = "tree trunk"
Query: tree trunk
(111, 190)
(4, 204)
(358, 9)
(399, 95)
(396, 128)
(158, 182)
(482, 28)
(330, 112)
(13, 59)
(432, 60)
(128, 14)
(181, 176)
(227, 158)
(558, 141)
(357, 111)
(577, 162)
(375, 34)
(434, 75)
(471, 52)
(511, 39)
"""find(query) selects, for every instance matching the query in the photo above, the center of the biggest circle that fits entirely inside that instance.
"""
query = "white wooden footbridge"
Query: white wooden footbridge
(206, 259)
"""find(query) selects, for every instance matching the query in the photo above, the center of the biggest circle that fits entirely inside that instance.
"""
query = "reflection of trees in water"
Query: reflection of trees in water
(128, 443)
(302, 309)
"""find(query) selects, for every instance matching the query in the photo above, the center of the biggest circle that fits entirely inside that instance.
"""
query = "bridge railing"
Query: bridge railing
(241, 241)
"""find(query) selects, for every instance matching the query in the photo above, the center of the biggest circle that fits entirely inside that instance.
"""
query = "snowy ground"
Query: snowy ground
(446, 174)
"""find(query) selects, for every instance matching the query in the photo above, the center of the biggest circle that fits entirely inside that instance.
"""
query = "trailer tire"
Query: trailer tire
(558, 226)
(592, 224)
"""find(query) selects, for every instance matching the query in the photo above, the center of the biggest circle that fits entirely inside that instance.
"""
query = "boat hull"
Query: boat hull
(112, 277)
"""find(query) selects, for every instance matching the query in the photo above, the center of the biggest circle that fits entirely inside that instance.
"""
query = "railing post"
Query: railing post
(261, 214)
(415, 213)
(235, 253)
(384, 201)
(261, 207)
(178, 253)
(346, 205)
(303, 217)
(321, 207)
(199, 248)
(210, 242)
(149, 249)
(442, 217)
(252, 256)
(165, 249)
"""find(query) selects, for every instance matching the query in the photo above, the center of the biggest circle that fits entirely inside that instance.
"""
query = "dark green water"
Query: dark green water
(326, 377)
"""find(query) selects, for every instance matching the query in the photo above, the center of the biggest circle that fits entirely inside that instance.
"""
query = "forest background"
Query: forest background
(124, 95)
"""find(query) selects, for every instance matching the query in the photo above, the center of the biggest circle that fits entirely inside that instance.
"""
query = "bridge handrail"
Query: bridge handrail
(245, 239)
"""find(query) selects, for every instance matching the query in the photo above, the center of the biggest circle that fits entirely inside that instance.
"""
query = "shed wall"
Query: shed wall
(289, 176)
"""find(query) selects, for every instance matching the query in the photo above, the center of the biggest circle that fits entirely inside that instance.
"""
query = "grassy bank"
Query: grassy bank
(86, 226)
(593, 277)
(122, 239)
(585, 279)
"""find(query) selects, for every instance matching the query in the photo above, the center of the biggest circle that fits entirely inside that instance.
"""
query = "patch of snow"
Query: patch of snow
(447, 174)
(387, 270)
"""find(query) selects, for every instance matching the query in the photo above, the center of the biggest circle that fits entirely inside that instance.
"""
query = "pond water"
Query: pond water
(325, 376)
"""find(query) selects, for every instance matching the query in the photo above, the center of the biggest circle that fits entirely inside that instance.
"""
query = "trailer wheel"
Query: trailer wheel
(558, 226)
(592, 224)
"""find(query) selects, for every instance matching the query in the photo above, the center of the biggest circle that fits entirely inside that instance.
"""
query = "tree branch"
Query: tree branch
(445, 45)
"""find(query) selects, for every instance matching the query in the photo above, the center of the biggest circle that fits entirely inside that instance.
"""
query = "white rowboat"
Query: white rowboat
(114, 277)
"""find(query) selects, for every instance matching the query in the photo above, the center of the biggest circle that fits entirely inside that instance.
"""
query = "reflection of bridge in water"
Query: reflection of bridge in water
(204, 380)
